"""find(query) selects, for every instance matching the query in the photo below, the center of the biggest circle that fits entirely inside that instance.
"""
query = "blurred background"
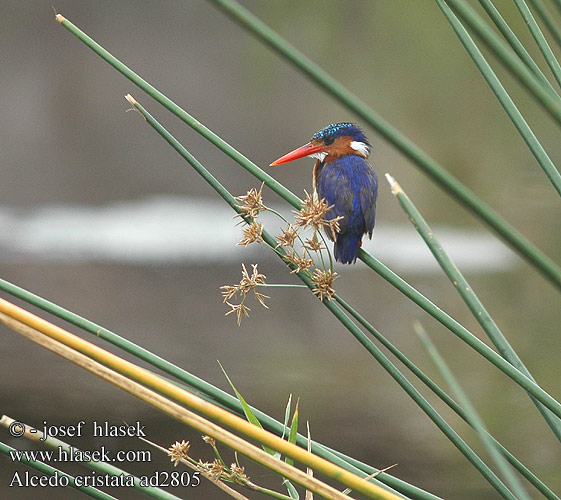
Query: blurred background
(99, 215)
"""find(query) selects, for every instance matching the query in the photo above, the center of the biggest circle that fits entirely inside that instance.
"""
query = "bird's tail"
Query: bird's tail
(346, 248)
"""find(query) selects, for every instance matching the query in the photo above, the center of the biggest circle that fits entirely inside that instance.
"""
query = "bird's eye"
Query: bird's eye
(328, 141)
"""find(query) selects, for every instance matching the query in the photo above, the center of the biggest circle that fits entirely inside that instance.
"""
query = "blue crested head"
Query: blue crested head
(336, 130)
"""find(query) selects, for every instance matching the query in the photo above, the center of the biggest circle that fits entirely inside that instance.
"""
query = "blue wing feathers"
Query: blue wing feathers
(349, 184)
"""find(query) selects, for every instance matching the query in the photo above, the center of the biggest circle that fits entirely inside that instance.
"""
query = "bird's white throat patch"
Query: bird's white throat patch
(320, 156)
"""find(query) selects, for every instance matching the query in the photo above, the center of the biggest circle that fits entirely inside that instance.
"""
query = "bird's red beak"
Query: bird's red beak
(305, 150)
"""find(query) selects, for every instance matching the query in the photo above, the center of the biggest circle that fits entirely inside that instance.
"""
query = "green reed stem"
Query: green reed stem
(529, 475)
(215, 139)
(277, 187)
(557, 4)
(483, 349)
(508, 58)
(380, 357)
(520, 244)
(368, 259)
(473, 417)
(269, 181)
(385, 272)
(229, 198)
(244, 157)
(465, 335)
(476, 307)
(547, 19)
(204, 387)
(435, 171)
(502, 95)
(268, 422)
(514, 42)
(294, 200)
(540, 40)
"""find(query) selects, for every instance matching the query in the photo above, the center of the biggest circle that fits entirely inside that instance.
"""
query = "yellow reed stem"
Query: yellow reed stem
(116, 371)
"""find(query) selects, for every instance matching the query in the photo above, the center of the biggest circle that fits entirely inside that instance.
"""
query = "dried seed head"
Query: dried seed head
(250, 282)
(333, 227)
(209, 440)
(314, 243)
(179, 451)
(238, 474)
(261, 298)
(215, 469)
(287, 237)
(323, 280)
(229, 291)
(252, 202)
(252, 233)
(246, 285)
(301, 263)
(312, 213)
(241, 310)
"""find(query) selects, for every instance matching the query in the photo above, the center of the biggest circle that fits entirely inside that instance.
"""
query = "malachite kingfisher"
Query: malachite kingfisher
(347, 182)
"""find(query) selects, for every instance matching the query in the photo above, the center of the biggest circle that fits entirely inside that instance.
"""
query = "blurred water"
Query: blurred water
(170, 229)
